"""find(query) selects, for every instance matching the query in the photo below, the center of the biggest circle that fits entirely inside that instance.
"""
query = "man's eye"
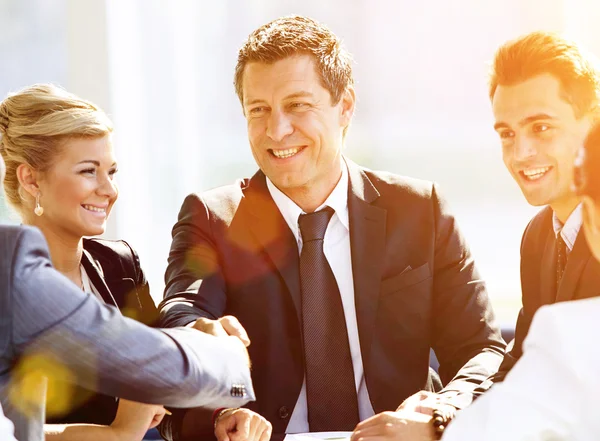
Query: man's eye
(541, 128)
(506, 134)
(257, 110)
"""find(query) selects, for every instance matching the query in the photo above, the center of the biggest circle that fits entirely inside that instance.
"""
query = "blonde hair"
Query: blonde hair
(34, 123)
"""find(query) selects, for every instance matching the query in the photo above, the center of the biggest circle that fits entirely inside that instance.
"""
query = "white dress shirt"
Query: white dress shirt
(336, 247)
(552, 392)
(571, 227)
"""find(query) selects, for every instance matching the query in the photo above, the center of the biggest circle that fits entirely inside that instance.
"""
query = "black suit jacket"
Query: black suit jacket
(233, 253)
(114, 269)
(580, 280)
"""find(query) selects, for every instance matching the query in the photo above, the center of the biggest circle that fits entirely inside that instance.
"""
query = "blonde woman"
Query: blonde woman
(60, 170)
(60, 177)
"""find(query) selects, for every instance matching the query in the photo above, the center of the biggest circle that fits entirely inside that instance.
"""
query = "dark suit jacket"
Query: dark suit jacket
(233, 253)
(580, 280)
(114, 269)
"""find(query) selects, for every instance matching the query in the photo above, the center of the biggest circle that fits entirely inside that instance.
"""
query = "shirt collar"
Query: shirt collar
(337, 199)
(570, 229)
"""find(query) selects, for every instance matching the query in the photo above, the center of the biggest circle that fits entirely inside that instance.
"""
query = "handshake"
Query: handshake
(227, 326)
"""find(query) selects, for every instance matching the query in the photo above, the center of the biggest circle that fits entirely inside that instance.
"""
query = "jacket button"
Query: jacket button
(284, 412)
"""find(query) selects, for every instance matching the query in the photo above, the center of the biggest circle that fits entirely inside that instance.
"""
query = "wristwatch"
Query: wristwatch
(442, 415)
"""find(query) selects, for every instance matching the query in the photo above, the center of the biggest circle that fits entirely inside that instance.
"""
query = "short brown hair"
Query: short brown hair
(587, 166)
(544, 52)
(33, 124)
(295, 35)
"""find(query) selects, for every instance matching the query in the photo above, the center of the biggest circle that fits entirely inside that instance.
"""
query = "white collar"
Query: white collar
(570, 229)
(337, 199)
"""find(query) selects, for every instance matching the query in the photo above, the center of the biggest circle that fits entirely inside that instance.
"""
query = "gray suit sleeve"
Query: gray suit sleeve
(101, 350)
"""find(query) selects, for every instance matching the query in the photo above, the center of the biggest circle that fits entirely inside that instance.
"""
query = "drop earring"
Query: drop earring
(39, 210)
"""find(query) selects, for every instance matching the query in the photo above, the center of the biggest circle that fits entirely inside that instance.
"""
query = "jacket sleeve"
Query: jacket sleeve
(466, 340)
(195, 286)
(524, 319)
(76, 338)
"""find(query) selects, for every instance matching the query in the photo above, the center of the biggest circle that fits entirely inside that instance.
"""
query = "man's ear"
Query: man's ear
(348, 102)
(28, 178)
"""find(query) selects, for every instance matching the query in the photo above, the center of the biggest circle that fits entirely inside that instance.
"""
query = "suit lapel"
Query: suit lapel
(96, 275)
(272, 232)
(577, 261)
(548, 270)
(367, 244)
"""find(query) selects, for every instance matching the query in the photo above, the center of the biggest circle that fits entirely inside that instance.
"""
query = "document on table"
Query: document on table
(332, 436)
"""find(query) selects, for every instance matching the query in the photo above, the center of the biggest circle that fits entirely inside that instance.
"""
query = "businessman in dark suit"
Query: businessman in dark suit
(545, 93)
(552, 391)
(343, 277)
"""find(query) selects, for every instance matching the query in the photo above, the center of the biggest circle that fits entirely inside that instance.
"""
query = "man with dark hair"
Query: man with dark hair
(343, 277)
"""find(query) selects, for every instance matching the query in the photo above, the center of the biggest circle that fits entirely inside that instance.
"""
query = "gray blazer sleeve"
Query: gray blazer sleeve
(104, 351)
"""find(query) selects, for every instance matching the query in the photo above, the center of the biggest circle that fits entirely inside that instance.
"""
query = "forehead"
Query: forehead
(76, 149)
(537, 95)
(293, 74)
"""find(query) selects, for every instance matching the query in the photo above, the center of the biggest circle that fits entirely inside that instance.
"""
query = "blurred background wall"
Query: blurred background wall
(163, 70)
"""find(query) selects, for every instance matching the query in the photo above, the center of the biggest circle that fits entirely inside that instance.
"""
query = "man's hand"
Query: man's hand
(224, 326)
(423, 402)
(134, 419)
(242, 425)
(401, 425)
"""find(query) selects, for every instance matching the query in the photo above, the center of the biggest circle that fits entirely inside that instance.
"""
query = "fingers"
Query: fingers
(158, 417)
(233, 327)
(413, 401)
(212, 327)
(250, 426)
(241, 430)
(256, 427)
(423, 402)
(266, 434)
(221, 432)
(375, 420)
(383, 429)
(228, 325)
